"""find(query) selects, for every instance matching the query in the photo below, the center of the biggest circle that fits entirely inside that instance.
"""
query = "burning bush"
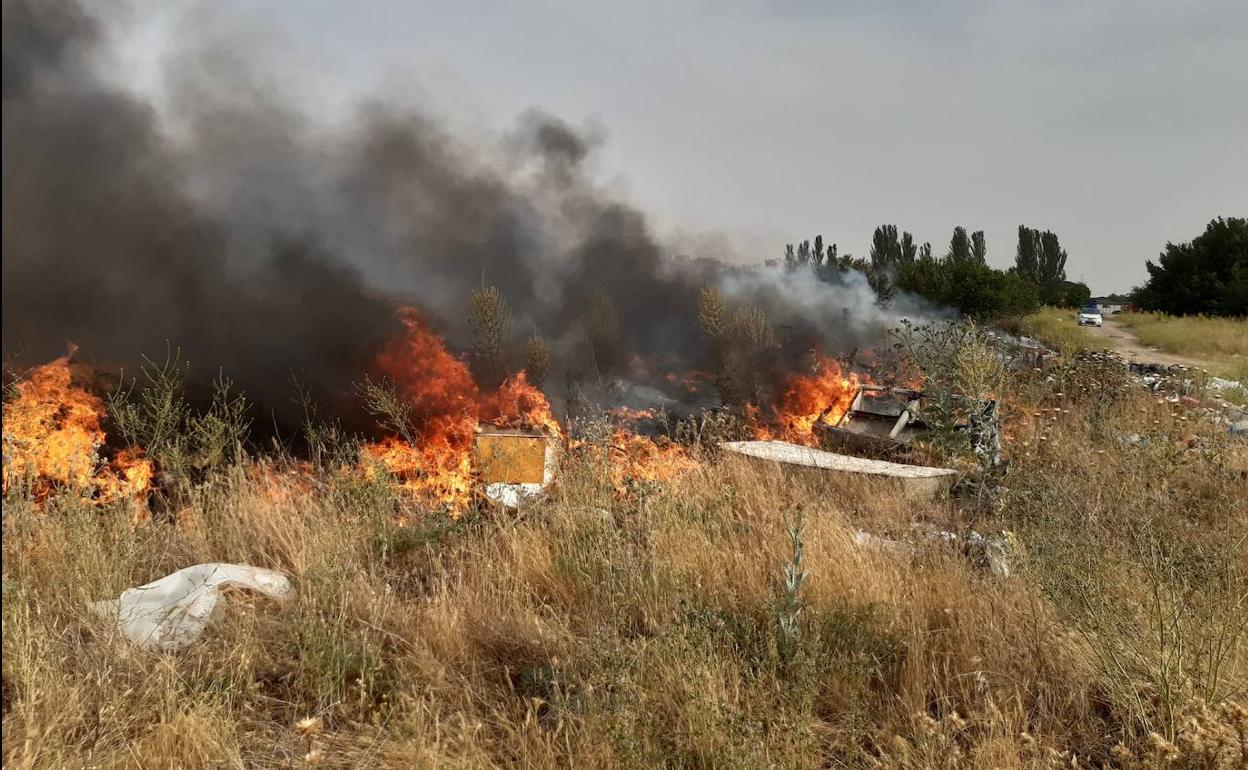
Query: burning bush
(53, 439)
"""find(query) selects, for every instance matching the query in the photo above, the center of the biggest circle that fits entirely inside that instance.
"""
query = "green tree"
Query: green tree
(909, 249)
(959, 246)
(1207, 275)
(979, 247)
(1027, 258)
(1067, 294)
(974, 289)
(885, 249)
(927, 277)
(1052, 268)
(1041, 259)
(980, 292)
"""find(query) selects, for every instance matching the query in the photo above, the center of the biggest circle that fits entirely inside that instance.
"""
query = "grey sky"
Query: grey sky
(1119, 125)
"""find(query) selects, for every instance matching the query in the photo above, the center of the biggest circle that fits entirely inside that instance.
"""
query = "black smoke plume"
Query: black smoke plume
(226, 223)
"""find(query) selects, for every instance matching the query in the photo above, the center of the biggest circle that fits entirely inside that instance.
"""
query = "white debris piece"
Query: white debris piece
(1219, 385)
(916, 480)
(174, 611)
(992, 551)
(864, 539)
(511, 495)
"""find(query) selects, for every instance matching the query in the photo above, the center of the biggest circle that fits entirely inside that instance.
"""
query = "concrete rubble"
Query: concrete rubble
(915, 480)
(1190, 389)
(992, 553)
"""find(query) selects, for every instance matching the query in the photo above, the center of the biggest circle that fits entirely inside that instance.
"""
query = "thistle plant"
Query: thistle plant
(790, 602)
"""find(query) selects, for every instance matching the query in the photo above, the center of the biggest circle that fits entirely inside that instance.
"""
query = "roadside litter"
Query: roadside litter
(915, 481)
(989, 553)
(174, 611)
(1219, 385)
(514, 465)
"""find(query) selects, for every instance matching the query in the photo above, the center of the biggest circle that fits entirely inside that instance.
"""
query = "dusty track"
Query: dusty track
(1125, 342)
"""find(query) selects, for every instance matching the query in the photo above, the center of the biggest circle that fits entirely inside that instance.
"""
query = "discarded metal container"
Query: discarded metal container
(512, 463)
(878, 422)
(881, 422)
(915, 480)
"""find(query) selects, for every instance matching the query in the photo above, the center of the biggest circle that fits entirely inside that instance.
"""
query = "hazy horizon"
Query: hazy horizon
(739, 127)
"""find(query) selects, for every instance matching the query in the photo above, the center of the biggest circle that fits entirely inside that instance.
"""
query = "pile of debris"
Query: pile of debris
(879, 422)
(1020, 352)
(1194, 388)
(992, 554)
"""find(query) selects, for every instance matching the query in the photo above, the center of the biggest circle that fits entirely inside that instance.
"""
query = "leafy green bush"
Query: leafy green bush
(1207, 276)
(973, 288)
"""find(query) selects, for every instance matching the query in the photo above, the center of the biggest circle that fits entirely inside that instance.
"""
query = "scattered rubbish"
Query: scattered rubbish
(511, 495)
(915, 480)
(1020, 352)
(1152, 381)
(1175, 379)
(1219, 385)
(862, 538)
(514, 464)
(985, 435)
(990, 553)
(1136, 440)
(174, 611)
(879, 421)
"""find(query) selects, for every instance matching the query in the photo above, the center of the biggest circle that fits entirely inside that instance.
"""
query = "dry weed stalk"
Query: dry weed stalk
(595, 630)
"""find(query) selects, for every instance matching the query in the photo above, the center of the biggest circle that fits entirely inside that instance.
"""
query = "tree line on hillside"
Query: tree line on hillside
(960, 278)
(1205, 276)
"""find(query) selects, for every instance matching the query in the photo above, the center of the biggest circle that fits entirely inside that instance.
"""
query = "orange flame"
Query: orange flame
(805, 401)
(638, 458)
(447, 406)
(626, 414)
(517, 404)
(52, 439)
(691, 383)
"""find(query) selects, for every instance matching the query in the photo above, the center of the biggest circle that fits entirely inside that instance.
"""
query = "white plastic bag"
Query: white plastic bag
(173, 611)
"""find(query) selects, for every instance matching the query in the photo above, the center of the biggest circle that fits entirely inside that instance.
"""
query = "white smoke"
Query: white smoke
(844, 313)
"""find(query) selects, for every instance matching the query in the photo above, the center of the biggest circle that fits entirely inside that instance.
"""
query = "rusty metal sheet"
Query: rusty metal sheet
(511, 457)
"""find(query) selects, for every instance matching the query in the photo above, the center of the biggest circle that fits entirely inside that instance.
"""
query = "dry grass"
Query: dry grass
(1056, 327)
(1222, 341)
(588, 630)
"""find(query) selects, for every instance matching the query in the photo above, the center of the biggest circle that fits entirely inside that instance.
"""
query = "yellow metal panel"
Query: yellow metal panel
(512, 459)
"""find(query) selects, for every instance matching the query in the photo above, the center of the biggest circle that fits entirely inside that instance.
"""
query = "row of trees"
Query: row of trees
(1207, 275)
(961, 277)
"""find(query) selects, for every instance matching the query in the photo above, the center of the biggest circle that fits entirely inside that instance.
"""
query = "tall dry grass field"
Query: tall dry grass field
(1222, 341)
(728, 619)
(1057, 327)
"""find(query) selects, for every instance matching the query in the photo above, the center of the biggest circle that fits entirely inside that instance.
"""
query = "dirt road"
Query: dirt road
(1125, 343)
